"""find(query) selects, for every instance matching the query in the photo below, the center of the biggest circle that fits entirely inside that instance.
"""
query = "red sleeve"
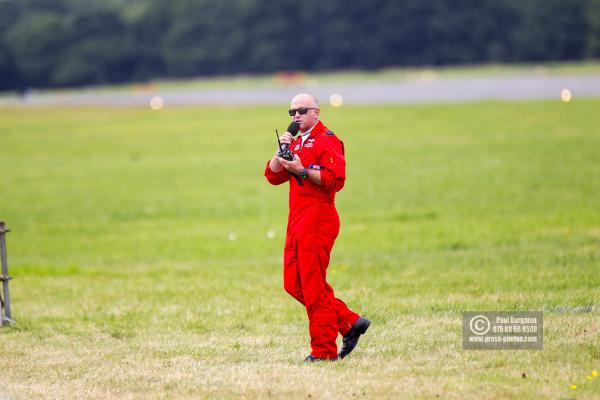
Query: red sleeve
(333, 165)
(276, 178)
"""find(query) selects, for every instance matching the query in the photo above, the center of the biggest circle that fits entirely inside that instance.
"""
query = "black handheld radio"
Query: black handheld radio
(284, 150)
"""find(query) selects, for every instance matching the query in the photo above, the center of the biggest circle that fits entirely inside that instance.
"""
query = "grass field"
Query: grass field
(386, 74)
(316, 78)
(127, 283)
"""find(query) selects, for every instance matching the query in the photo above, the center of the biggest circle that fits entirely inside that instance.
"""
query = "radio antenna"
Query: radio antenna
(278, 141)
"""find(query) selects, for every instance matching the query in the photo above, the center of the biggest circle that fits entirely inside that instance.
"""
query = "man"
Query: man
(316, 173)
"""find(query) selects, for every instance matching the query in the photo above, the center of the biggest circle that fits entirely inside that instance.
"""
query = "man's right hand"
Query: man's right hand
(286, 138)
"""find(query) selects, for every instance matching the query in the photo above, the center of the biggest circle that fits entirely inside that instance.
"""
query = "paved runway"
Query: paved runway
(425, 90)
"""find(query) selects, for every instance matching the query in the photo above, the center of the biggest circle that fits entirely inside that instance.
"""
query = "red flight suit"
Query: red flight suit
(313, 225)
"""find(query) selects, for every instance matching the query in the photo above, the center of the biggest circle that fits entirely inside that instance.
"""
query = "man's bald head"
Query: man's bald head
(310, 102)
(306, 98)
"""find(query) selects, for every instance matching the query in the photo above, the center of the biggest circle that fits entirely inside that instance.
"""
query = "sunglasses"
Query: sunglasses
(301, 111)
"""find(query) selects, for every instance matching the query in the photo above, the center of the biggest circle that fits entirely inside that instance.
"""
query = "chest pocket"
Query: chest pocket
(306, 153)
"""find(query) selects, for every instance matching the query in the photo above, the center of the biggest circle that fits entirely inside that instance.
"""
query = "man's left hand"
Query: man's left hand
(295, 167)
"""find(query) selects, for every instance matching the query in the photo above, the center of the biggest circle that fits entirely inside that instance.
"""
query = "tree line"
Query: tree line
(57, 43)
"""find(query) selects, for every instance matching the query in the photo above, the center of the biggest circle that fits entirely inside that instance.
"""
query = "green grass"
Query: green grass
(318, 78)
(126, 284)
(384, 74)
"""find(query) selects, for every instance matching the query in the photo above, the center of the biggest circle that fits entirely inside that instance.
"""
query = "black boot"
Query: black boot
(351, 339)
